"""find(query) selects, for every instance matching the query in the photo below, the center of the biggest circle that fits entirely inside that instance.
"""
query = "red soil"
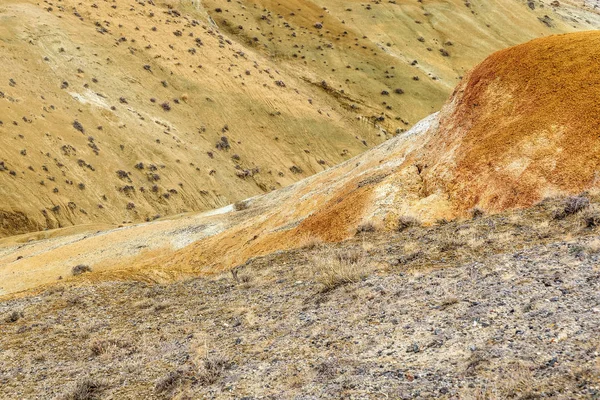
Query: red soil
(523, 124)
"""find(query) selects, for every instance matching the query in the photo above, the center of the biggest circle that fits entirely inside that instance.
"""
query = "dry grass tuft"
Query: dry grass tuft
(86, 389)
(572, 205)
(211, 367)
(309, 242)
(591, 217)
(168, 383)
(367, 227)
(406, 221)
(334, 268)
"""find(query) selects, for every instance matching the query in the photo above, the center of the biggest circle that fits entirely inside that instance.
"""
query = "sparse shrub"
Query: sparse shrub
(366, 227)
(477, 212)
(168, 383)
(406, 221)
(240, 205)
(80, 269)
(296, 170)
(166, 106)
(211, 368)
(13, 317)
(77, 125)
(86, 389)
(591, 217)
(572, 205)
(310, 242)
(223, 143)
(334, 268)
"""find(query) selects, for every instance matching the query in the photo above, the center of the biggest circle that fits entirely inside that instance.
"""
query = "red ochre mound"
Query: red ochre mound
(524, 124)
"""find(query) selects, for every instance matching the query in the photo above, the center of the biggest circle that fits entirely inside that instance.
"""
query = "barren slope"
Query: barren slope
(112, 111)
(499, 307)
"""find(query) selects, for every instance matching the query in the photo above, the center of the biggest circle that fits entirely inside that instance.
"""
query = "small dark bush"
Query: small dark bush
(591, 218)
(366, 227)
(86, 389)
(80, 269)
(477, 213)
(168, 383)
(572, 205)
(77, 125)
(240, 205)
(13, 317)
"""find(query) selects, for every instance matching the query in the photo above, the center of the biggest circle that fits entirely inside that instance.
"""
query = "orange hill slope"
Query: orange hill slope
(523, 125)
(520, 127)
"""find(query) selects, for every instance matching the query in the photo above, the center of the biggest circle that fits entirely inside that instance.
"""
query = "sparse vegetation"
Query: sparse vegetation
(334, 268)
(80, 269)
(572, 205)
(240, 205)
(77, 125)
(14, 316)
(85, 389)
(366, 227)
(212, 366)
(407, 221)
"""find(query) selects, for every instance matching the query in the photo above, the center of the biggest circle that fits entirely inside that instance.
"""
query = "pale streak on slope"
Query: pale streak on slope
(119, 252)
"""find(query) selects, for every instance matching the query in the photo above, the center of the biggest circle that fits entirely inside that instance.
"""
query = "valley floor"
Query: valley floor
(503, 306)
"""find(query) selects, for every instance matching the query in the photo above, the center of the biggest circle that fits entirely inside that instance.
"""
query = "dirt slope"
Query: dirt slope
(112, 112)
(532, 134)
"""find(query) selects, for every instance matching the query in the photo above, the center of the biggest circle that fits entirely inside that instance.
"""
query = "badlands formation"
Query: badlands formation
(520, 127)
(301, 199)
(115, 112)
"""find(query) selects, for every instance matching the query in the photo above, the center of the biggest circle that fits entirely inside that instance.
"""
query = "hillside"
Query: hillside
(118, 112)
(510, 136)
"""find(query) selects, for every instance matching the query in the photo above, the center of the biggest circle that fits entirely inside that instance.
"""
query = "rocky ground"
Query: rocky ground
(503, 306)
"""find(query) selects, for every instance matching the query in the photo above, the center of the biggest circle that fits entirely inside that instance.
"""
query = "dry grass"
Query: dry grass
(407, 221)
(85, 389)
(572, 205)
(309, 242)
(209, 364)
(337, 267)
(367, 227)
